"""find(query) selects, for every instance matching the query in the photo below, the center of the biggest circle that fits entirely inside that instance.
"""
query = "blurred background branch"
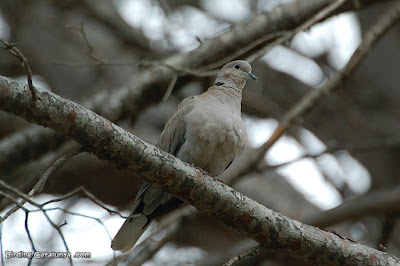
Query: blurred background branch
(350, 137)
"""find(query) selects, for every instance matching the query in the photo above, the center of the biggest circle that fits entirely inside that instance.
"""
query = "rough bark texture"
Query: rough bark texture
(110, 142)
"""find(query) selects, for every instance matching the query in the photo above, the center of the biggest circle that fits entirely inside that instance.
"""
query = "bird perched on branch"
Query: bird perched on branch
(205, 130)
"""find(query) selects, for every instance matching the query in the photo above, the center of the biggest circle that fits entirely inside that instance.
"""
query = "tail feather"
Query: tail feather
(151, 203)
(130, 232)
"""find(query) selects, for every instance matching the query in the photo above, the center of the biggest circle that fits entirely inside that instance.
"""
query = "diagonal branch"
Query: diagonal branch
(110, 142)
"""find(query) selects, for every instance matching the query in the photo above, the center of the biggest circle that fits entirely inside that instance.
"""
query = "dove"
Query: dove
(206, 131)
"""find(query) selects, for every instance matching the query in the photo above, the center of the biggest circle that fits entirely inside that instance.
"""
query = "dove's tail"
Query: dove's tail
(130, 232)
(150, 203)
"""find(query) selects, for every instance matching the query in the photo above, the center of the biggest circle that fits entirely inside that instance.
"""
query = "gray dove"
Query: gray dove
(205, 130)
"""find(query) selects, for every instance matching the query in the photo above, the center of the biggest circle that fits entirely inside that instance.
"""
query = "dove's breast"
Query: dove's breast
(212, 138)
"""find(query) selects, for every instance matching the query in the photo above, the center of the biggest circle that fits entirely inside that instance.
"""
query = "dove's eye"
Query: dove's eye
(236, 66)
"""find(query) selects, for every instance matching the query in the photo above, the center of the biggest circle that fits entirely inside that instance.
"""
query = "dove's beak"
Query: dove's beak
(252, 76)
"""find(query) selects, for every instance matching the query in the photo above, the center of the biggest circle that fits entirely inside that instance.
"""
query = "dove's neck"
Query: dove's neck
(228, 79)
(227, 93)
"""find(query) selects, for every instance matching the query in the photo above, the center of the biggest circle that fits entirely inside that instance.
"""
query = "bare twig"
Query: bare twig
(248, 253)
(29, 236)
(28, 199)
(53, 168)
(170, 88)
(88, 194)
(80, 215)
(240, 52)
(91, 54)
(12, 198)
(25, 63)
(60, 233)
(41, 208)
(38, 187)
(321, 15)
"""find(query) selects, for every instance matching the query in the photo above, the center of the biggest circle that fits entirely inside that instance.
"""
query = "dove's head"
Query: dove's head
(235, 73)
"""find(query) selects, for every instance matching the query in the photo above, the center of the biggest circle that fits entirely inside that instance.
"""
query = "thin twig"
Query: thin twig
(81, 30)
(52, 169)
(41, 208)
(248, 253)
(25, 63)
(321, 15)
(80, 215)
(27, 198)
(170, 88)
(12, 198)
(60, 233)
(88, 194)
(29, 236)
(38, 187)
(243, 50)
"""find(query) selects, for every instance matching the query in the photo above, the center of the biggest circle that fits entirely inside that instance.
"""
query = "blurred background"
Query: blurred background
(346, 147)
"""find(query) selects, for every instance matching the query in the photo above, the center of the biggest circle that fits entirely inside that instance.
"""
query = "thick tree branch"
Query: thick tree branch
(110, 142)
